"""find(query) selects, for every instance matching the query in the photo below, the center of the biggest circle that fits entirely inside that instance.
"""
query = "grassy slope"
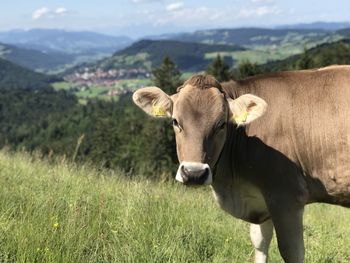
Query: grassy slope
(62, 213)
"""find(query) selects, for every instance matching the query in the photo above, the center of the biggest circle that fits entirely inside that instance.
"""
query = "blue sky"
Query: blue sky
(147, 17)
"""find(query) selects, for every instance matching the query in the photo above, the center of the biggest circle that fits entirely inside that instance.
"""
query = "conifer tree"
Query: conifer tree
(246, 69)
(158, 137)
(219, 69)
(167, 76)
(305, 61)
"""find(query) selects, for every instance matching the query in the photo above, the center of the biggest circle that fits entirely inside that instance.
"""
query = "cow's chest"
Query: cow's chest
(241, 200)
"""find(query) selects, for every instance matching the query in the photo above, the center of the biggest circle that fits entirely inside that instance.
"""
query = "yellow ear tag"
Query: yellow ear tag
(241, 118)
(158, 111)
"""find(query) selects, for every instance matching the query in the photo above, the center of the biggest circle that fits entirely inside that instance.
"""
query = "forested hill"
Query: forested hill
(150, 53)
(13, 76)
(34, 59)
(320, 56)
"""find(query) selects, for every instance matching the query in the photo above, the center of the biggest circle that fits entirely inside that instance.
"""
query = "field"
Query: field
(53, 211)
(100, 91)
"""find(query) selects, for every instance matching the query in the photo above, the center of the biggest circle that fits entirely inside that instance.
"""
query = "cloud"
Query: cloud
(61, 11)
(175, 6)
(182, 16)
(45, 12)
(260, 11)
(41, 12)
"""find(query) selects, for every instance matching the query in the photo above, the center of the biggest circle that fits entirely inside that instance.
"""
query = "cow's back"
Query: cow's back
(308, 120)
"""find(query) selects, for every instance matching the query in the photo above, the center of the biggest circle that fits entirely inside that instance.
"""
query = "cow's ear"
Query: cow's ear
(153, 101)
(246, 108)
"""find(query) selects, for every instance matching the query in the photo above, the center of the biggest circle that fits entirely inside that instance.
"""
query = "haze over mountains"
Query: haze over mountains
(72, 42)
(194, 51)
(53, 50)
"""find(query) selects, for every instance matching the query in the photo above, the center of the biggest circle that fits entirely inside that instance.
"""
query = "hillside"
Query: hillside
(67, 213)
(331, 26)
(150, 53)
(320, 56)
(255, 36)
(16, 77)
(34, 59)
(344, 32)
(262, 44)
(73, 42)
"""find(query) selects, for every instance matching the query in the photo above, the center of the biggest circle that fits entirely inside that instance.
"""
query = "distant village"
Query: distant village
(108, 78)
(87, 78)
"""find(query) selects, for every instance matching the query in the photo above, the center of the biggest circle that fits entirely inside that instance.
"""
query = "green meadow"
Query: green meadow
(55, 211)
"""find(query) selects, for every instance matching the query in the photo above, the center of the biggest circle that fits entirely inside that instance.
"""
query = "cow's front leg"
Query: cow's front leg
(288, 225)
(261, 236)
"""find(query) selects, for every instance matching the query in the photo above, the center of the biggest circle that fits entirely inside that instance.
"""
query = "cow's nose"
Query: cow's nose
(191, 173)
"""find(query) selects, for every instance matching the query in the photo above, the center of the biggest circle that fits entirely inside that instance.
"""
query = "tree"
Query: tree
(167, 76)
(246, 69)
(219, 69)
(157, 138)
(305, 61)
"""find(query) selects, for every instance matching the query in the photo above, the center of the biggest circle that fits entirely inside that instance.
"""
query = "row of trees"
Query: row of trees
(222, 72)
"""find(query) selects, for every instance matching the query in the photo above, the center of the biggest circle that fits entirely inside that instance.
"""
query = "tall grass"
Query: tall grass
(64, 213)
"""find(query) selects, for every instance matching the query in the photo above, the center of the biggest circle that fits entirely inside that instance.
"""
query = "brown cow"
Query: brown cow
(267, 145)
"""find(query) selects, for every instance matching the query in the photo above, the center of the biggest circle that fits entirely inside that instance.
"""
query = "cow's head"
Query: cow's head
(200, 112)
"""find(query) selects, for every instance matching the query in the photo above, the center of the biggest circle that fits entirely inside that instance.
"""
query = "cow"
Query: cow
(267, 145)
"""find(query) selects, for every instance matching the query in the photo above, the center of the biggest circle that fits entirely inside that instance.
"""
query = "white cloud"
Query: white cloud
(189, 16)
(260, 11)
(175, 6)
(41, 12)
(61, 11)
(45, 12)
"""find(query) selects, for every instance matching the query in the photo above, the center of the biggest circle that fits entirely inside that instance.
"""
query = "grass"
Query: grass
(62, 85)
(66, 213)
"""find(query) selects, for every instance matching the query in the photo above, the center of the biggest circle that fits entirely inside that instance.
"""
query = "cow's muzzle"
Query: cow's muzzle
(191, 173)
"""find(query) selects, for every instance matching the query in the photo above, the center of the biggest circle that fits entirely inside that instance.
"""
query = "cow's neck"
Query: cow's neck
(233, 191)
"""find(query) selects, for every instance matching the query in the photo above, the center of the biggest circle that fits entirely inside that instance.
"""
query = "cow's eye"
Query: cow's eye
(176, 124)
(222, 126)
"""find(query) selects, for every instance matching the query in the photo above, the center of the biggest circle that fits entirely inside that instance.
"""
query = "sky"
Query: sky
(137, 18)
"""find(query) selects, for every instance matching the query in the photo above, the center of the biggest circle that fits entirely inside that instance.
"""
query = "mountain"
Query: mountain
(73, 42)
(150, 53)
(34, 59)
(332, 26)
(16, 77)
(320, 56)
(253, 36)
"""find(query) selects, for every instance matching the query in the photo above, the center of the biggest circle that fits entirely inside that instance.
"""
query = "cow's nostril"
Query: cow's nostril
(184, 173)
